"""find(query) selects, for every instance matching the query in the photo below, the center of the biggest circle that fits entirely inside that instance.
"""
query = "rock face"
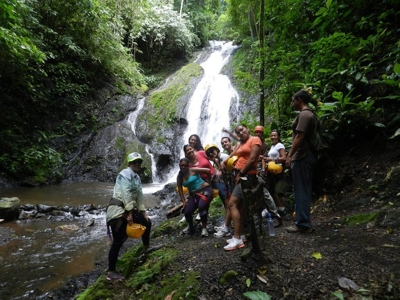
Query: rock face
(9, 208)
(100, 154)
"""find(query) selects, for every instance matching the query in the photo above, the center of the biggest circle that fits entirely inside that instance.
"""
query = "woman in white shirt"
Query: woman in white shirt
(277, 153)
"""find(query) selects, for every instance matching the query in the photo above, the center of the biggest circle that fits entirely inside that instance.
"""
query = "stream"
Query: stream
(40, 256)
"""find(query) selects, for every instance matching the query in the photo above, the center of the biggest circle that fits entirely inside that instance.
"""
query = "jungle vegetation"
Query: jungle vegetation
(56, 54)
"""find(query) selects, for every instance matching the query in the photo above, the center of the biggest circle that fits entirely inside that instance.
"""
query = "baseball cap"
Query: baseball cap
(134, 156)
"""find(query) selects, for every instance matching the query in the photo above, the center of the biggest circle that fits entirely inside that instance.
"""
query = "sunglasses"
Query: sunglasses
(184, 165)
(136, 163)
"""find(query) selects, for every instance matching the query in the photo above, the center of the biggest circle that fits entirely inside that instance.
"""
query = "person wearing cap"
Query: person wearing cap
(126, 206)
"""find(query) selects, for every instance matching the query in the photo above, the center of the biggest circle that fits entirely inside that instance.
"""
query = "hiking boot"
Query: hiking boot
(296, 229)
(224, 232)
(234, 244)
(204, 232)
(114, 276)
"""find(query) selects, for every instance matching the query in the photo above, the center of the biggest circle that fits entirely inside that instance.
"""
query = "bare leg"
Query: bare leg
(234, 206)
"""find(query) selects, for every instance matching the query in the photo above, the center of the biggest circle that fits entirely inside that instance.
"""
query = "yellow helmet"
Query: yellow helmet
(135, 230)
(184, 189)
(209, 146)
(215, 193)
(274, 168)
(231, 163)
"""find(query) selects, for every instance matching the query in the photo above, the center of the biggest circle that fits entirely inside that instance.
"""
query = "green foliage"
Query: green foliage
(257, 295)
(164, 105)
(347, 53)
(361, 219)
(98, 290)
(156, 262)
(185, 284)
(228, 277)
(164, 36)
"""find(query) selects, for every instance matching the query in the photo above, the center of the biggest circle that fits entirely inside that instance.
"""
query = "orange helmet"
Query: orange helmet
(259, 129)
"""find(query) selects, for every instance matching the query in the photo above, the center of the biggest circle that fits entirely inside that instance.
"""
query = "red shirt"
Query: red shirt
(203, 162)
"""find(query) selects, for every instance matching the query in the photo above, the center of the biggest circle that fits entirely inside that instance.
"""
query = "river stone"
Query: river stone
(27, 214)
(9, 208)
(42, 208)
(68, 228)
(28, 207)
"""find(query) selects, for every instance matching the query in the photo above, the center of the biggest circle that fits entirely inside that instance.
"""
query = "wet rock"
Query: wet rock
(28, 207)
(90, 223)
(57, 213)
(42, 208)
(68, 228)
(65, 208)
(89, 207)
(27, 214)
(9, 208)
(75, 211)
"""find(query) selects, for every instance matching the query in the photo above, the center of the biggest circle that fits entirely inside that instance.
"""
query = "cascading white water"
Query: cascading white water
(209, 106)
(133, 116)
(208, 109)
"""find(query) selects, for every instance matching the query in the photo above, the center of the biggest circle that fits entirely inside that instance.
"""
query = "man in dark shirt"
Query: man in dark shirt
(302, 160)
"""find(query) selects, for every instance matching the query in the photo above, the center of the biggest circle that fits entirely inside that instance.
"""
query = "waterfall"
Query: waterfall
(132, 121)
(208, 109)
(133, 116)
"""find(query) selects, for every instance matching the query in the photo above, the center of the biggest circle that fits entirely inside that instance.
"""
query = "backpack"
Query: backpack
(318, 138)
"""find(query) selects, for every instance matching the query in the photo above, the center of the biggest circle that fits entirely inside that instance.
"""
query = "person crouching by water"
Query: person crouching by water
(125, 207)
(200, 194)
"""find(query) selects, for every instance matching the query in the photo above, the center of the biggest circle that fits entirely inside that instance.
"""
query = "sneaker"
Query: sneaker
(114, 276)
(198, 217)
(234, 244)
(186, 230)
(204, 232)
(242, 238)
(296, 229)
(224, 232)
(264, 213)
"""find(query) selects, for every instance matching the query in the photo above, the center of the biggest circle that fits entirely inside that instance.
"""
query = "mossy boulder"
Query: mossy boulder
(9, 208)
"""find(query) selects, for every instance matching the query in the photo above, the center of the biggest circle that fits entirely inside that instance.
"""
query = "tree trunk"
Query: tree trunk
(262, 67)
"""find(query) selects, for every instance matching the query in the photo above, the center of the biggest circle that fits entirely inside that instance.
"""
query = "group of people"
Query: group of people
(205, 169)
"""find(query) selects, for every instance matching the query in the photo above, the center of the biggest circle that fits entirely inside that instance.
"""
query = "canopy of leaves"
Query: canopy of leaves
(332, 47)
